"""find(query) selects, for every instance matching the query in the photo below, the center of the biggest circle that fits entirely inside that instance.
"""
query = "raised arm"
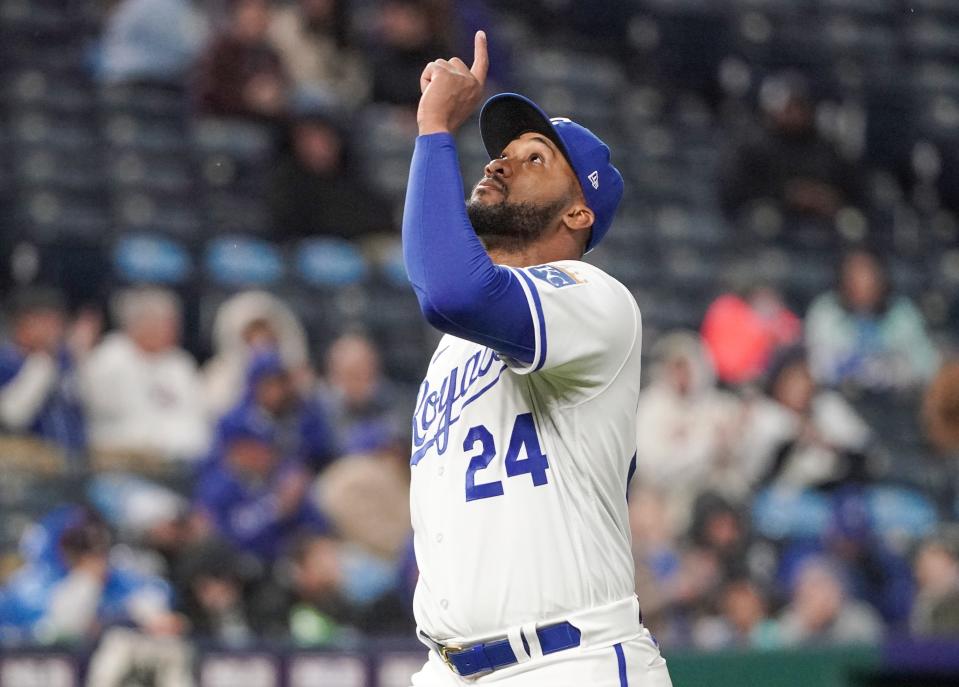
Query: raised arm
(461, 292)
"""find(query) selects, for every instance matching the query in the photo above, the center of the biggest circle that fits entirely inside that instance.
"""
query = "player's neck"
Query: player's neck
(537, 253)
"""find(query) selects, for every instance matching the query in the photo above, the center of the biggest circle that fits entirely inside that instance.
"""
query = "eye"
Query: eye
(536, 157)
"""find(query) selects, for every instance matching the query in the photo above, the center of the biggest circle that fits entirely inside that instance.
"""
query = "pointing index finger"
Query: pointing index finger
(480, 57)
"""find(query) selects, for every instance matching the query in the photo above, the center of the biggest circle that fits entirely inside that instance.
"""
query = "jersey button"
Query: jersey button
(441, 471)
(439, 538)
(444, 603)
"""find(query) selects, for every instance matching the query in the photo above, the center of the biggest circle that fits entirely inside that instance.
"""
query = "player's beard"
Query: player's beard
(511, 227)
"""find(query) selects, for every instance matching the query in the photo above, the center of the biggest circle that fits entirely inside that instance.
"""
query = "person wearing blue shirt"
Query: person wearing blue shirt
(299, 424)
(71, 587)
(38, 389)
(256, 498)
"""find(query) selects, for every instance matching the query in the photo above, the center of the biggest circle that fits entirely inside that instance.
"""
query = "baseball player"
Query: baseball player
(524, 428)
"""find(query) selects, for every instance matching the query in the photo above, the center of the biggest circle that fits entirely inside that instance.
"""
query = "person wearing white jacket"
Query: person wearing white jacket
(686, 427)
(142, 392)
(248, 322)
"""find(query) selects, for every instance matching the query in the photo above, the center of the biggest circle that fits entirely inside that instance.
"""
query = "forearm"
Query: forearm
(23, 397)
(460, 290)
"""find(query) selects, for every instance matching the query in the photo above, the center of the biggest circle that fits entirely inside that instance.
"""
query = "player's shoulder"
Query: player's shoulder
(565, 274)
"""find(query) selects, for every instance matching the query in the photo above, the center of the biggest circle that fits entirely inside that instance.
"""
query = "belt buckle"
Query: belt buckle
(444, 654)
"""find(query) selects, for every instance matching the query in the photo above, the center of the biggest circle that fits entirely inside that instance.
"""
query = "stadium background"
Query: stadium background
(155, 152)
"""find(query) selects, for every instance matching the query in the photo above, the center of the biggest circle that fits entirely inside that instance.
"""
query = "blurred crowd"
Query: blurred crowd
(767, 508)
(258, 546)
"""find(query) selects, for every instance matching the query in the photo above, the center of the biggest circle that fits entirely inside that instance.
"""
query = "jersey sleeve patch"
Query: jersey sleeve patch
(557, 277)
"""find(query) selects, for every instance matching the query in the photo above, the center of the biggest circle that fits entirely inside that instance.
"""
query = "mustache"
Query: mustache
(501, 187)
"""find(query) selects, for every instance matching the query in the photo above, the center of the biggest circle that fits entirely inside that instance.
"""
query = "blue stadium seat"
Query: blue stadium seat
(329, 263)
(241, 261)
(789, 514)
(153, 259)
(387, 260)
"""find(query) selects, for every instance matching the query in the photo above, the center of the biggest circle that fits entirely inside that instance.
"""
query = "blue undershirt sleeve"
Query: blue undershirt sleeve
(460, 291)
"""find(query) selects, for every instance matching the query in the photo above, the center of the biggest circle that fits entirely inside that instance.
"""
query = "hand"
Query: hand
(290, 492)
(84, 332)
(451, 90)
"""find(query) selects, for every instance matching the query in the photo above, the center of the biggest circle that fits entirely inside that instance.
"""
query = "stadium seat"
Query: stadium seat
(144, 100)
(141, 210)
(240, 261)
(329, 263)
(155, 173)
(37, 127)
(151, 259)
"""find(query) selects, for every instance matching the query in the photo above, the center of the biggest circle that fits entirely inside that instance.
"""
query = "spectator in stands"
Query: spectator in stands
(802, 436)
(721, 531)
(685, 427)
(337, 591)
(940, 420)
(299, 422)
(742, 621)
(655, 553)
(152, 41)
(314, 191)
(318, 613)
(248, 323)
(363, 400)
(72, 587)
(788, 163)
(367, 498)
(213, 576)
(38, 388)
(940, 409)
(936, 609)
(821, 612)
(241, 75)
(255, 498)
(142, 392)
(865, 335)
(313, 38)
(875, 571)
(409, 34)
(743, 333)
(151, 519)
(678, 580)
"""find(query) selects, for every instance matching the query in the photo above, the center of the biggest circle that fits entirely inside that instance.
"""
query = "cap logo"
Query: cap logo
(594, 178)
(558, 120)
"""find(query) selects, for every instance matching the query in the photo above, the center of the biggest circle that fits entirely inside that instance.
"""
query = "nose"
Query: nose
(499, 167)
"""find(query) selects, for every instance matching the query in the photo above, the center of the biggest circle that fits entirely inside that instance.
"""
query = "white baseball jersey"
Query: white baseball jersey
(519, 472)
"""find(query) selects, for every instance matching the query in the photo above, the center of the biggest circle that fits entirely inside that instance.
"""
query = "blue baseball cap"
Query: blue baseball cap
(506, 116)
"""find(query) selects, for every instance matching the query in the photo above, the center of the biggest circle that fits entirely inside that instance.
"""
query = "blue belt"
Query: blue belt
(495, 654)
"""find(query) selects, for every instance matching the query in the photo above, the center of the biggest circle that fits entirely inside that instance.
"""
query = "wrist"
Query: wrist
(427, 127)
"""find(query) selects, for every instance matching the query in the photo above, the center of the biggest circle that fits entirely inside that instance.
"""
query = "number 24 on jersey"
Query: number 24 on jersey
(523, 437)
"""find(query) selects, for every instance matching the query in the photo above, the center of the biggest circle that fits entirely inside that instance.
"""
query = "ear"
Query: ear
(578, 216)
